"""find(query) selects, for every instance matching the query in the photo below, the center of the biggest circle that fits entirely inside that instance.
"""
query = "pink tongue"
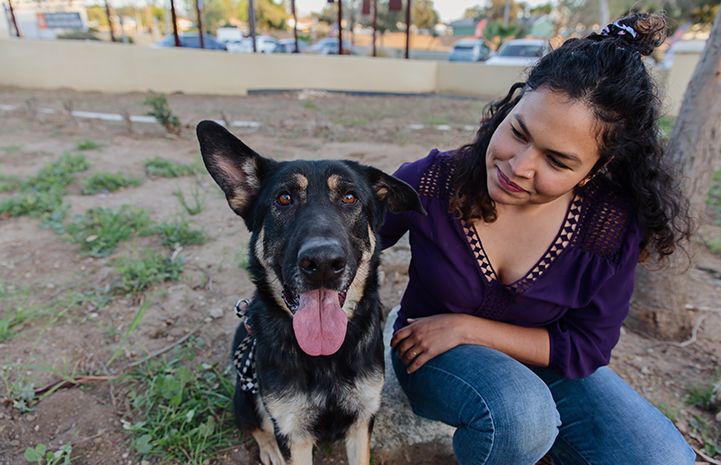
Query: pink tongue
(319, 323)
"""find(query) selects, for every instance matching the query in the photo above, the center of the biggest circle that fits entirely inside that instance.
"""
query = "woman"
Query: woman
(522, 273)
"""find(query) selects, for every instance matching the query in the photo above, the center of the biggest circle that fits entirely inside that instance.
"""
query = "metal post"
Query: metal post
(375, 24)
(340, 27)
(198, 8)
(408, 28)
(110, 20)
(251, 21)
(295, 26)
(175, 23)
(12, 18)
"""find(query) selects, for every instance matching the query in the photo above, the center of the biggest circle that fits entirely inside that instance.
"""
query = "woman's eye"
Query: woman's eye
(284, 199)
(554, 161)
(517, 134)
(349, 198)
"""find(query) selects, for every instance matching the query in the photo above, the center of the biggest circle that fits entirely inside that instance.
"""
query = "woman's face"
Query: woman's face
(546, 145)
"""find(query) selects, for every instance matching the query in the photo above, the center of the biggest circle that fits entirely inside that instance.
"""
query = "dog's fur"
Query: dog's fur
(306, 398)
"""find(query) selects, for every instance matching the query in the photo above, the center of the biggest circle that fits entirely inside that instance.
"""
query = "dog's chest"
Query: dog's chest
(327, 410)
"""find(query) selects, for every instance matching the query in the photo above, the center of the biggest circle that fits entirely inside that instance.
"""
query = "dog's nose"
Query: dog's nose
(321, 261)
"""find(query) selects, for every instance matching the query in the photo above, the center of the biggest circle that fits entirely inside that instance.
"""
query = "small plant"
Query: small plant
(701, 395)
(241, 258)
(40, 455)
(184, 413)
(19, 391)
(197, 205)
(160, 167)
(160, 109)
(179, 233)
(9, 183)
(714, 245)
(56, 175)
(107, 182)
(670, 412)
(138, 275)
(11, 148)
(87, 144)
(33, 204)
(713, 201)
(100, 230)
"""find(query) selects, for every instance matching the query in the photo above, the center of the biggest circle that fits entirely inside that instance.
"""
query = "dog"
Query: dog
(313, 331)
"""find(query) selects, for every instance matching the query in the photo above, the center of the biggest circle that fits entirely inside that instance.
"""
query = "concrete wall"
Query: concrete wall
(476, 80)
(111, 67)
(685, 57)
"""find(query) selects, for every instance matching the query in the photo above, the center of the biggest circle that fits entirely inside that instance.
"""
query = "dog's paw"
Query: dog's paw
(268, 448)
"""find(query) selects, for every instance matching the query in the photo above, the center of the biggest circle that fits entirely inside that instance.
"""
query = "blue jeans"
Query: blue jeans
(509, 414)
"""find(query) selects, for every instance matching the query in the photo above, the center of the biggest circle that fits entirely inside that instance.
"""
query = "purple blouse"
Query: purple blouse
(580, 290)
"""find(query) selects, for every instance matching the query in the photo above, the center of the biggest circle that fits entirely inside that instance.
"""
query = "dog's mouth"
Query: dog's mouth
(319, 322)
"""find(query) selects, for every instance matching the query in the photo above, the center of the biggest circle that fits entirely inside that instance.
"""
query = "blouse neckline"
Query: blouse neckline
(564, 237)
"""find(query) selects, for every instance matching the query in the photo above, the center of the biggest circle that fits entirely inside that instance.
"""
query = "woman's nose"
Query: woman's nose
(523, 164)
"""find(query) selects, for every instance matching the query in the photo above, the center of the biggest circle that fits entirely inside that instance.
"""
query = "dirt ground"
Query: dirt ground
(82, 340)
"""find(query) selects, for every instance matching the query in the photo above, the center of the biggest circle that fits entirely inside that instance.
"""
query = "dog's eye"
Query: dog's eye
(284, 199)
(349, 199)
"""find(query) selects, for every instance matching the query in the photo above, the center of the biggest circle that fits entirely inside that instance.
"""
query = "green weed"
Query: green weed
(107, 182)
(136, 275)
(241, 258)
(19, 391)
(9, 183)
(670, 412)
(40, 455)
(665, 125)
(160, 167)
(185, 414)
(700, 395)
(160, 109)
(100, 230)
(56, 175)
(179, 233)
(41, 196)
(197, 205)
(714, 245)
(12, 320)
(11, 148)
(713, 201)
(87, 144)
(309, 105)
(33, 204)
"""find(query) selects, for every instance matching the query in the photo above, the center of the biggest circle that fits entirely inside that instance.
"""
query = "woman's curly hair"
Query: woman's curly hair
(605, 71)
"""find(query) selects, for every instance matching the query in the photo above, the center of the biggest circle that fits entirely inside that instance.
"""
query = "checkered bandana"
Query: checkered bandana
(244, 355)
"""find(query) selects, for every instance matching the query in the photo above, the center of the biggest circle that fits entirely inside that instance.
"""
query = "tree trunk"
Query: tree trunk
(660, 301)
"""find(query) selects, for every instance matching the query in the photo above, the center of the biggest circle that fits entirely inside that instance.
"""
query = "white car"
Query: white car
(520, 52)
(263, 44)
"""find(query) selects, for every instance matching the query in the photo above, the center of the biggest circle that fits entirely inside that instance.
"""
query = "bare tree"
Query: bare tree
(660, 304)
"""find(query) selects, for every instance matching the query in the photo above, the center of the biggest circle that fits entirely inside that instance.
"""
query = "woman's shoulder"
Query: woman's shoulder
(607, 223)
(431, 176)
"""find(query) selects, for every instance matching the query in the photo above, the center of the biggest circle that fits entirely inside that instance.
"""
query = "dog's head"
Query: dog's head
(314, 226)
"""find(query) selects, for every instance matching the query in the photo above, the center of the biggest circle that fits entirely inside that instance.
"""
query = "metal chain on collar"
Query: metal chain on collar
(244, 354)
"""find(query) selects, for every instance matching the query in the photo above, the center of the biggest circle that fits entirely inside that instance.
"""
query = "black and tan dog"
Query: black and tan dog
(316, 316)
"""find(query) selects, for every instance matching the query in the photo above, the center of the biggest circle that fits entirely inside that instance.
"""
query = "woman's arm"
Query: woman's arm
(428, 337)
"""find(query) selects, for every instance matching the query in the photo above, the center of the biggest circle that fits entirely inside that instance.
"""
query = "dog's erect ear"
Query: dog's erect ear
(397, 195)
(236, 168)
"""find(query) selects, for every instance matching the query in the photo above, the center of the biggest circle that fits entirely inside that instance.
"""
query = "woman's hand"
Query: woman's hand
(424, 338)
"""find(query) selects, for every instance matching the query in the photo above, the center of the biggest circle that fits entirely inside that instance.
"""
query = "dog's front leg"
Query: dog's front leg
(301, 452)
(358, 443)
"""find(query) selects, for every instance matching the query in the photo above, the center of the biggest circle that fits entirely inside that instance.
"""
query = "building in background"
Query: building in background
(44, 19)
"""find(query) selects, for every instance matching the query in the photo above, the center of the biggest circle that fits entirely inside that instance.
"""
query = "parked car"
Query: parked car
(329, 46)
(520, 52)
(190, 40)
(469, 50)
(288, 46)
(263, 44)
